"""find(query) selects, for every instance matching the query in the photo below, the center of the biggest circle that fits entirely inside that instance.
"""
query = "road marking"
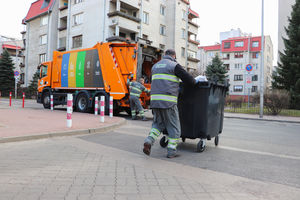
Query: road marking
(260, 152)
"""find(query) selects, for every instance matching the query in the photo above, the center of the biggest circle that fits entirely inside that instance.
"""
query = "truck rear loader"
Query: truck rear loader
(102, 70)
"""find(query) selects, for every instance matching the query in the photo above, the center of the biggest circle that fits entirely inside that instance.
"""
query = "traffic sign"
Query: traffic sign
(17, 73)
(249, 67)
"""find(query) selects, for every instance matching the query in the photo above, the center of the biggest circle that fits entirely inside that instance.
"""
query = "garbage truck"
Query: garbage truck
(102, 70)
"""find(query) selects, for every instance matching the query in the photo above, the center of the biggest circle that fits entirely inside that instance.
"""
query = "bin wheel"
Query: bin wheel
(216, 140)
(163, 142)
(183, 139)
(201, 146)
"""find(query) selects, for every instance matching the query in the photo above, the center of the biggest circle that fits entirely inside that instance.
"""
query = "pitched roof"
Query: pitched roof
(211, 48)
(8, 46)
(38, 8)
(194, 13)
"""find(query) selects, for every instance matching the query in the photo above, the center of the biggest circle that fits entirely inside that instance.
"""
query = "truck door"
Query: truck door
(44, 80)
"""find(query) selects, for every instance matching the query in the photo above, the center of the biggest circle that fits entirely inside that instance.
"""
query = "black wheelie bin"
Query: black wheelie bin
(201, 112)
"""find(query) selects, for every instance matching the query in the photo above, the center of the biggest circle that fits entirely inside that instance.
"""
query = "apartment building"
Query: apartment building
(14, 48)
(284, 11)
(62, 25)
(238, 52)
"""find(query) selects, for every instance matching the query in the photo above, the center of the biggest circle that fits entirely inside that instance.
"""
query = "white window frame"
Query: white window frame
(44, 20)
(239, 44)
(78, 1)
(255, 44)
(183, 12)
(43, 39)
(73, 38)
(145, 17)
(183, 33)
(42, 58)
(238, 88)
(77, 19)
(162, 10)
(183, 52)
(162, 29)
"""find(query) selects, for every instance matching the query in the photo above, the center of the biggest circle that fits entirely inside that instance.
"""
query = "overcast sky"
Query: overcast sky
(215, 16)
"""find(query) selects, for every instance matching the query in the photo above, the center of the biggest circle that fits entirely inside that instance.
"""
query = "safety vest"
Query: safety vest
(135, 89)
(165, 84)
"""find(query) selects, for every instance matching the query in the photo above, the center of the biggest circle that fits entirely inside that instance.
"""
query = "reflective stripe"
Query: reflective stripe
(166, 77)
(172, 142)
(162, 97)
(134, 94)
(135, 88)
(154, 133)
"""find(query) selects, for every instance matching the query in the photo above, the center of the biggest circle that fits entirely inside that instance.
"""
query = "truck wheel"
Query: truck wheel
(46, 100)
(82, 103)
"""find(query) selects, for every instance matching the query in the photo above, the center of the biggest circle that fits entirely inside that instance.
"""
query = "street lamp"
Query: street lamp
(261, 109)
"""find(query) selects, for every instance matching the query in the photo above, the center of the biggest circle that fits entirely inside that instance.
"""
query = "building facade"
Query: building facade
(236, 53)
(15, 49)
(62, 25)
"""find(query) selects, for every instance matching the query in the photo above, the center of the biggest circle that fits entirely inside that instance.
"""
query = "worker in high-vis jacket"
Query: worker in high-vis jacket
(135, 90)
(164, 92)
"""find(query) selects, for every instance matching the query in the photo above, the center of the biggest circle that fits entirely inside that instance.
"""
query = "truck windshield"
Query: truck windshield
(44, 70)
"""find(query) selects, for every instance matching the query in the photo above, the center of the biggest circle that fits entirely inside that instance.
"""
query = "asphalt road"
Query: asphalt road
(259, 150)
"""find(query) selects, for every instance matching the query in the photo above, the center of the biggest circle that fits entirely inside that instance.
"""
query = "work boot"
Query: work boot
(144, 118)
(172, 153)
(147, 148)
(134, 117)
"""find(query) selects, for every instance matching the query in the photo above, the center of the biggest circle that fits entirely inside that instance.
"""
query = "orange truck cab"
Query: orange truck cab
(103, 70)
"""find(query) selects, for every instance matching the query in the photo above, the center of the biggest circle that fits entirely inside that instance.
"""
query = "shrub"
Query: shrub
(276, 100)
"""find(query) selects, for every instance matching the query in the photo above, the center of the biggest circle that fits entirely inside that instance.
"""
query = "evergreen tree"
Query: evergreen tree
(287, 75)
(7, 80)
(32, 88)
(216, 71)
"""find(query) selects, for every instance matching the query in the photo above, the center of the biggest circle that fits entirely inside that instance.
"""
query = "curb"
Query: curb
(65, 133)
(272, 120)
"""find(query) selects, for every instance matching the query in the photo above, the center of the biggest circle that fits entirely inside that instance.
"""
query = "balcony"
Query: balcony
(63, 7)
(124, 23)
(62, 28)
(124, 15)
(193, 23)
(193, 42)
(193, 59)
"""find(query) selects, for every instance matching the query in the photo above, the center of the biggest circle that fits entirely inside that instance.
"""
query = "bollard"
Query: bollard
(23, 100)
(51, 102)
(111, 101)
(96, 105)
(69, 110)
(10, 99)
(102, 105)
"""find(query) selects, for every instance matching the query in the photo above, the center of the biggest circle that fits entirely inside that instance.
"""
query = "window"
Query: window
(44, 20)
(254, 78)
(183, 14)
(123, 35)
(255, 66)
(191, 54)
(42, 58)
(145, 18)
(254, 89)
(78, 1)
(227, 45)
(162, 30)
(238, 55)
(227, 66)
(44, 70)
(77, 41)
(77, 19)
(183, 33)
(162, 9)
(43, 39)
(182, 52)
(239, 44)
(238, 88)
(226, 56)
(238, 66)
(255, 43)
(238, 77)
(255, 54)
(145, 36)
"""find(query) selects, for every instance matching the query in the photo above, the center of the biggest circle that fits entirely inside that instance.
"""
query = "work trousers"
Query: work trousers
(165, 119)
(136, 106)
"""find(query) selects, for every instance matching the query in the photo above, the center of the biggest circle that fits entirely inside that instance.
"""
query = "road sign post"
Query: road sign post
(248, 78)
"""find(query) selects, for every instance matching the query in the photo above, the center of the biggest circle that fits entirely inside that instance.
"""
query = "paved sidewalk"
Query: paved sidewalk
(23, 124)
